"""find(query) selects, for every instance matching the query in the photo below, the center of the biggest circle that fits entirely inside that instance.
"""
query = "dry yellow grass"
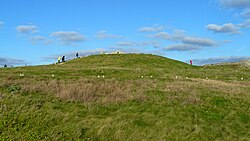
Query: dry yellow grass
(85, 90)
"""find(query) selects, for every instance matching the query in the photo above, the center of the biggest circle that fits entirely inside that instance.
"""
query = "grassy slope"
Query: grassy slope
(76, 104)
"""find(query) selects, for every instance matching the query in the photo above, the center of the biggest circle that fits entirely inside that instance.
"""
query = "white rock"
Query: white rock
(151, 76)
(53, 75)
(242, 78)
(103, 76)
(142, 76)
(98, 76)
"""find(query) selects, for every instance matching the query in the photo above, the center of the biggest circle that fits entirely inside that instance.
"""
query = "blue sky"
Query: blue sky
(35, 32)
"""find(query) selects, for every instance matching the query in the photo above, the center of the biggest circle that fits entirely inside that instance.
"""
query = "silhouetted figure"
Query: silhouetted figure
(77, 55)
(191, 62)
(63, 59)
(5, 66)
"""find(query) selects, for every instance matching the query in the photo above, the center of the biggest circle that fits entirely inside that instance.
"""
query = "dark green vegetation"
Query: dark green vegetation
(172, 101)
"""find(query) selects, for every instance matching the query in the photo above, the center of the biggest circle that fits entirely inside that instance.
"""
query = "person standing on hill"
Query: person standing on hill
(59, 59)
(63, 59)
(77, 55)
(191, 62)
(5, 66)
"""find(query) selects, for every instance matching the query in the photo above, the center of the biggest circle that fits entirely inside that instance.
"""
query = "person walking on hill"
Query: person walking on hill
(59, 59)
(191, 62)
(5, 66)
(77, 55)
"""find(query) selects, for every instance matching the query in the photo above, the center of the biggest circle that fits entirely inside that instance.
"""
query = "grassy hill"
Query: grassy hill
(125, 97)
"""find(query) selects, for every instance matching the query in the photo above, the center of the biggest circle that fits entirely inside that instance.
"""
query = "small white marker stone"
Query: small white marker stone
(53, 75)
(176, 77)
(142, 76)
(186, 77)
(98, 76)
(103, 76)
(151, 76)
(242, 78)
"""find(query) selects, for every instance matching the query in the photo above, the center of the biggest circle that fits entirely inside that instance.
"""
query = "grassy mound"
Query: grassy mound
(125, 97)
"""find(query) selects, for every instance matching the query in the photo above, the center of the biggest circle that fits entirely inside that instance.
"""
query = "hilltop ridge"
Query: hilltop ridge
(126, 60)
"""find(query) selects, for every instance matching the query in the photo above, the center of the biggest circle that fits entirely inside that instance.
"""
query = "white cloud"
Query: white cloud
(198, 41)
(184, 42)
(228, 28)
(27, 29)
(155, 28)
(69, 37)
(106, 35)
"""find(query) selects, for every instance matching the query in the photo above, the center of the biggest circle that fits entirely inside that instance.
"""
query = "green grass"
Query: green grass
(77, 105)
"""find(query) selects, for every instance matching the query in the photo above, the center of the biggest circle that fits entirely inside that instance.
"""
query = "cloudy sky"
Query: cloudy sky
(36, 32)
